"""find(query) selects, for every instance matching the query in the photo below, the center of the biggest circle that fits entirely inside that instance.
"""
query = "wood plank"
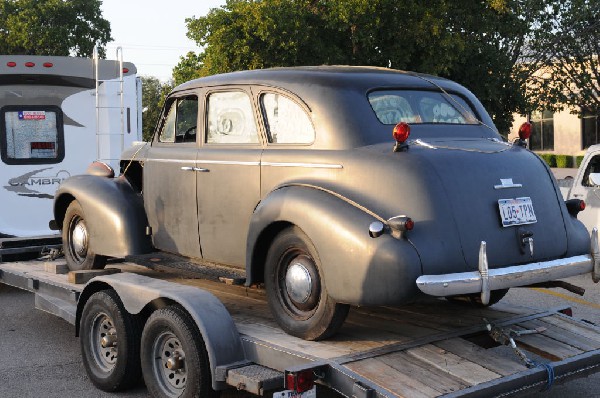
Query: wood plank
(392, 380)
(278, 337)
(487, 358)
(578, 327)
(459, 367)
(563, 335)
(545, 346)
(424, 373)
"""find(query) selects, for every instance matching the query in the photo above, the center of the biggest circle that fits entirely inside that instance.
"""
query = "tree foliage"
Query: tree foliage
(154, 93)
(567, 54)
(490, 46)
(52, 27)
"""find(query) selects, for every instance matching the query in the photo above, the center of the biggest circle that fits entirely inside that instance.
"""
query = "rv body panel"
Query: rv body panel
(55, 119)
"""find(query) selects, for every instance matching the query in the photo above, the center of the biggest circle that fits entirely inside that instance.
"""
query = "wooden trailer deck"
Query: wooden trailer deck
(429, 349)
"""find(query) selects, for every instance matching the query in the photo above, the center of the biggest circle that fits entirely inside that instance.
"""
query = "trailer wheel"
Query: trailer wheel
(76, 241)
(110, 342)
(174, 357)
(296, 293)
(475, 299)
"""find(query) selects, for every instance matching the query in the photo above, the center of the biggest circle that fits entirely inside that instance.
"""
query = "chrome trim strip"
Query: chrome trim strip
(228, 162)
(508, 186)
(204, 161)
(307, 165)
(505, 277)
(171, 160)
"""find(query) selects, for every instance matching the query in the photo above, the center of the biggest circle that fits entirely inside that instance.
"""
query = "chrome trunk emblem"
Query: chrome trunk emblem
(507, 183)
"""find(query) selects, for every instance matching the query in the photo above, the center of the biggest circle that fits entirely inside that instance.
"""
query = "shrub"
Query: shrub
(578, 160)
(563, 161)
(549, 158)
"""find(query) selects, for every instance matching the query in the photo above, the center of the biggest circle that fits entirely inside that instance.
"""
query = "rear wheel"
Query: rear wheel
(296, 293)
(475, 298)
(76, 241)
(110, 341)
(174, 358)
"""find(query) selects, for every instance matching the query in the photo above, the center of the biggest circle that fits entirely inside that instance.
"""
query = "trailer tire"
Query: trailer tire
(174, 358)
(110, 342)
(76, 240)
(296, 292)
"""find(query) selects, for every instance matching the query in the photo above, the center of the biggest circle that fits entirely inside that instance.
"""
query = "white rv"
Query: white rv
(57, 115)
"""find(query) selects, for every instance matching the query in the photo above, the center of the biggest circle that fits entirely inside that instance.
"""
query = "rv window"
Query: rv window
(31, 135)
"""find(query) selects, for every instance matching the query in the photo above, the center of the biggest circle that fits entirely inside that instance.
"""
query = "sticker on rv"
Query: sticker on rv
(43, 149)
(32, 115)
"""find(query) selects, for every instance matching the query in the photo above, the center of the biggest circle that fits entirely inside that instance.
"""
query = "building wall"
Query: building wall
(567, 133)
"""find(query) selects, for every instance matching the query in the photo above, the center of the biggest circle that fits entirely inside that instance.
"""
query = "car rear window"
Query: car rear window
(31, 134)
(415, 107)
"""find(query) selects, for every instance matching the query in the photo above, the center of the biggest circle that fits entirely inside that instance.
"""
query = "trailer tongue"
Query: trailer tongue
(428, 349)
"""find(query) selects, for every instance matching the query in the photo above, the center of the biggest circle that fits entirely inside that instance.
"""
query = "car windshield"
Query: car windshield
(417, 107)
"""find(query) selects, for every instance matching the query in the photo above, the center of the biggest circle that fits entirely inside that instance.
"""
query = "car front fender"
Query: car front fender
(357, 268)
(114, 213)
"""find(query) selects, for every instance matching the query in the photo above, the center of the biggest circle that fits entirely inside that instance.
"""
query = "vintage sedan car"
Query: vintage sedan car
(333, 186)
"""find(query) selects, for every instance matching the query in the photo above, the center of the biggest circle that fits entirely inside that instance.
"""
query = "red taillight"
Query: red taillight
(525, 131)
(401, 132)
(582, 205)
(29, 64)
(300, 381)
(125, 70)
(48, 64)
(11, 64)
(409, 225)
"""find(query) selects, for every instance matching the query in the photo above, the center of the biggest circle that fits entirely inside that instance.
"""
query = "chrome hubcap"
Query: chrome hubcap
(298, 282)
(79, 238)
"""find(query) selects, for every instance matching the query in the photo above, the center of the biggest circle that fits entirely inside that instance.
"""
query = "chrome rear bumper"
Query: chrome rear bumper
(486, 280)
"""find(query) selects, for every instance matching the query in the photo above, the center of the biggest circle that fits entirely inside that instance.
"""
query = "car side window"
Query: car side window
(287, 122)
(230, 119)
(181, 120)
(592, 167)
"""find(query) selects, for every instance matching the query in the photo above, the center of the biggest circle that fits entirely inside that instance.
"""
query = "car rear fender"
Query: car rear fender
(113, 210)
(357, 268)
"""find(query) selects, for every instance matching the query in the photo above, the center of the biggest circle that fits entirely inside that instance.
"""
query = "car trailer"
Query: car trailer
(199, 332)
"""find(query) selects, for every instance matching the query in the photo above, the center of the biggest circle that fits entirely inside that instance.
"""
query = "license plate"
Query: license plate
(312, 393)
(517, 211)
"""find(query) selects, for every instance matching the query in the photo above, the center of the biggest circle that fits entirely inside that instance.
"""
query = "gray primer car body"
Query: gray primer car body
(226, 203)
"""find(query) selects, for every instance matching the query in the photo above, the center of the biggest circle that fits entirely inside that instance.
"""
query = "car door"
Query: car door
(228, 186)
(170, 178)
(585, 189)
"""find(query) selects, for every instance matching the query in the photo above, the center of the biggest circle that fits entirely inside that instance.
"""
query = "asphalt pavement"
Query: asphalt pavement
(39, 353)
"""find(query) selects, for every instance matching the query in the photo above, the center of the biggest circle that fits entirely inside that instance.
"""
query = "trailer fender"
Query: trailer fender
(114, 213)
(357, 268)
(214, 322)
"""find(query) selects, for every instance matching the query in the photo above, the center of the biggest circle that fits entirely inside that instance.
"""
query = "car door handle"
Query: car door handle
(197, 169)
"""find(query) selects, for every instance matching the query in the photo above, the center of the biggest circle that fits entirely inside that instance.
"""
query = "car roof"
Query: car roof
(360, 77)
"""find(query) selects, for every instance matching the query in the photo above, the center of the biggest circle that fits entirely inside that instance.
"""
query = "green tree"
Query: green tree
(567, 51)
(489, 46)
(52, 27)
(154, 93)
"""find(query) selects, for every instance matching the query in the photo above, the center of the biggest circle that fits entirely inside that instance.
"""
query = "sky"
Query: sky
(152, 33)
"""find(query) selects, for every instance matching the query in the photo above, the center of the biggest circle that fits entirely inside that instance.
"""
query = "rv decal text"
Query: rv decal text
(26, 184)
